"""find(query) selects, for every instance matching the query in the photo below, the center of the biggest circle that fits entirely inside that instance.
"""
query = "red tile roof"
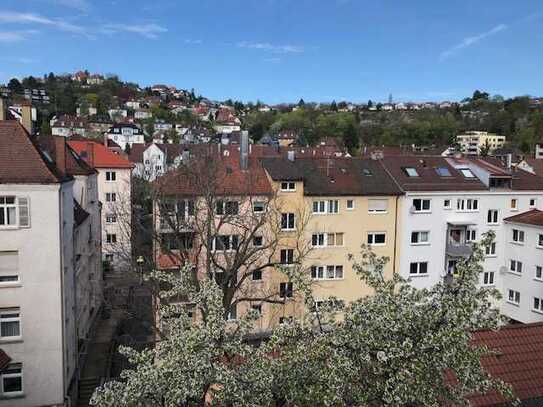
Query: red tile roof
(533, 217)
(519, 362)
(98, 156)
(4, 359)
(21, 160)
(75, 165)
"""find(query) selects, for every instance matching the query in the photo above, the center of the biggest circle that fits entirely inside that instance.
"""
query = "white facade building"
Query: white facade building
(125, 133)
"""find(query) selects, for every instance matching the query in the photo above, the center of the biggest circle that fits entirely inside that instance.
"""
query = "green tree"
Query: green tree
(15, 86)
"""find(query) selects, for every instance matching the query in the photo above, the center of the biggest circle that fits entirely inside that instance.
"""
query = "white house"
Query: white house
(155, 159)
(125, 133)
(66, 126)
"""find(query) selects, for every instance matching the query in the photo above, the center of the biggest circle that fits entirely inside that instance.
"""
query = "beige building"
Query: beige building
(471, 142)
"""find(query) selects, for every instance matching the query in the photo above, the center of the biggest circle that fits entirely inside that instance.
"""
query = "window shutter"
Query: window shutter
(24, 212)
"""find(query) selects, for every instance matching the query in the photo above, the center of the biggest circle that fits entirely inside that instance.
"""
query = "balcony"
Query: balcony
(459, 238)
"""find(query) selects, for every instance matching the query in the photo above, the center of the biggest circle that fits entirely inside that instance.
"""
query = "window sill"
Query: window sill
(493, 224)
(539, 247)
(517, 243)
(538, 279)
(488, 285)
(13, 285)
(418, 275)
(514, 273)
(513, 303)
(421, 212)
(537, 311)
(9, 340)
(377, 213)
(14, 396)
(327, 279)
(420, 244)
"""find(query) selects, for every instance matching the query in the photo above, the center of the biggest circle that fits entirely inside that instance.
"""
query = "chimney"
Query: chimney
(26, 117)
(244, 150)
(291, 155)
(105, 140)
(2, 109)
(509, 158)
(60, 153)
(90, 154)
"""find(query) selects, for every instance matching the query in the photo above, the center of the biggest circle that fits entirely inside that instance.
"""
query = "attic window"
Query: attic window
(466, 172)
(411, 172)
(443, 172)
(366, 172)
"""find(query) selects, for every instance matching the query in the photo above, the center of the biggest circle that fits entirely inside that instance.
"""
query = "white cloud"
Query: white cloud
(469, 41)
(29, 18)
(273, 60)
(193, 42)
(15, 36)
(82, 5)
(283, 49)
(145, 30)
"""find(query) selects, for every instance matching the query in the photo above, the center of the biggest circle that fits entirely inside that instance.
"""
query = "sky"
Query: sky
(283, 50)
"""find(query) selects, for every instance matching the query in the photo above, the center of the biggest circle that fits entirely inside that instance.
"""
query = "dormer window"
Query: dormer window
(411, 172)
(466, 172)
(288, 186)
(443, 172)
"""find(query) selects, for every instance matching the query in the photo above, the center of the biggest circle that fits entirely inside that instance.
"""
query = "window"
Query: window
(471, 235)
(259, 206)
(533, 202)
(284, 320)
(9, 267)
(447, 204)
(287, 221)
(285, 290)
(256, 275)
(468, 205)
(319, 206)
(421, 205)
(334, 239)
(377, 205)
(258, 241)
(490, 250)
(539, 273)
(411, 172)
(466, 172)
(111, 238)
(538, 304)
(257, 308)
(331, 206)
(10, 323)
(420, 237)
(111, 176)
(226, 208)
(518, 236)
(492, 217)
(110, 218)
(8, 211)
(326, 272)
(376, 238)
(540, 240)
(514, 203)
(488, 278)
(418, 268)
(318, 240)
(288, 186)
(111, 197)
(287, 256)
(513, 297)
(515, 266)
(11, 380)
(223, 243)
(443, 172)
(350, 204)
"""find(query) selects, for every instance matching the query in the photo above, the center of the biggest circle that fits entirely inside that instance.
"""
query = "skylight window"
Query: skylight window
(410, 171)
(466, 172)
(443, 172)
(366, 172)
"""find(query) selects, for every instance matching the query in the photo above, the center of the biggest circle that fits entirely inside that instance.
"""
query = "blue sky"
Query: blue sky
(281, 50)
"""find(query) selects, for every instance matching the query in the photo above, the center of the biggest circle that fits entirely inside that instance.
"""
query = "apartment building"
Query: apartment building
(37, 279)
(316, 212)
(471, 142)
(125, 134)
(448, 204)
(114, 192)
(522, 273)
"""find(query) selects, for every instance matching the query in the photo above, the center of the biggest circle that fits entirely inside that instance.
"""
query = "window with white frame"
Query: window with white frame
(226, 207)
(111, 176)
(111, 218)
(418, 268)
(258, 241)
(286, 256)
(326, 239)
(447, 204)
(492, 217)
(318, 240)
(257, 308)
(10, 323)
(11, 380)
(9, 267)
(490, 250)
(421, 205)
(411, 172)
(514, 204)
(471, 235)
(513, 297)
(377, 205)
(256, 275)
(466, 172)
(111, 238)
(538, 304)
(14, 212)
(376, 238)
(259, 206)
(420, 237)
(333, 206)
(288, 186)
(329, 206)
(225, 243)
(539, 273)
(288, 221)
(533, 202)
(467, 205)
(327, 272)
(111, 197)
(286, 290)
(515, 266)
(518, 236)
(488, 278)
(540, 240)
(350, 204)
(319, 207)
